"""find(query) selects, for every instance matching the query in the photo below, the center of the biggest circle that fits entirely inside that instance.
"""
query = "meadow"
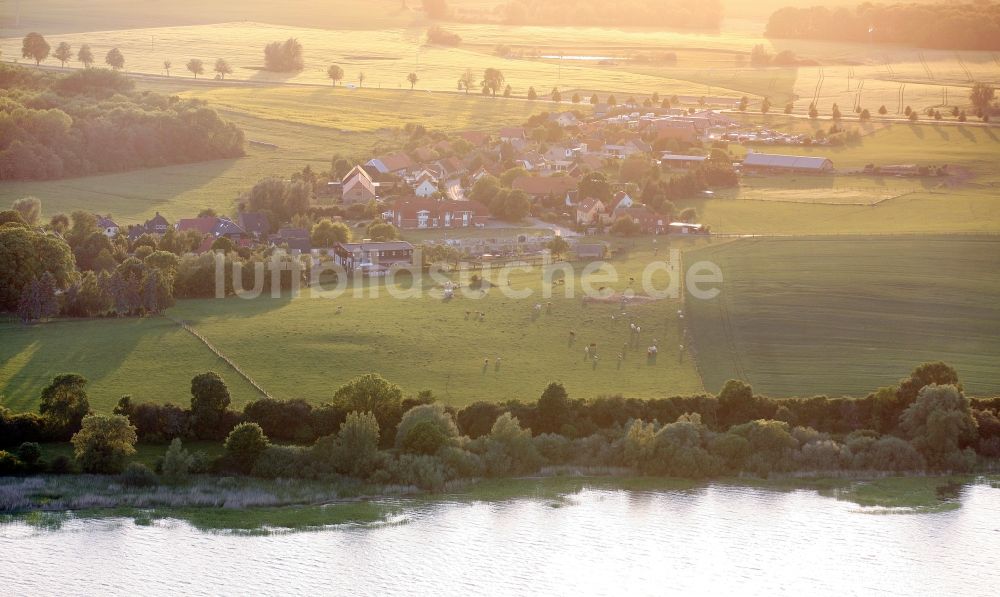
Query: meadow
(840, 316)
(304, 348)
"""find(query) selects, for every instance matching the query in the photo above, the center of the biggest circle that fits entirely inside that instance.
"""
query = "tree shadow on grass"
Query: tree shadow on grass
(93, 348)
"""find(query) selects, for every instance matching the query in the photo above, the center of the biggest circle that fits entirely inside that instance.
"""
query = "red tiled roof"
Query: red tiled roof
(545, 185)
(202, 225)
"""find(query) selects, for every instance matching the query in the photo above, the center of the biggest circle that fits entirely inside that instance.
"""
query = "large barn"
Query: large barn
(786, 163)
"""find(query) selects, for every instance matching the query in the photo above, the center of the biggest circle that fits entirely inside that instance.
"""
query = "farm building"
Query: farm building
(766, 162)
(686, 228)
(673, 160)
(590, 250)
(372, 258)
(357, 187)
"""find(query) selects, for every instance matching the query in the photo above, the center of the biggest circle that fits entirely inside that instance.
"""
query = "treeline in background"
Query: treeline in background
(93, 122)
(951, 25)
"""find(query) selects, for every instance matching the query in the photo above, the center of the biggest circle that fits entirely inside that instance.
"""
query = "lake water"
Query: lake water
(708, 541)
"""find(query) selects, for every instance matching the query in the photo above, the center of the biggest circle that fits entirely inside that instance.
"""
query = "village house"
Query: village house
(540, 187)
(564, 119)
(295, 240)
(155, 226)
(648, 221)
(428, 213)
(107, 226)
(357, 187)
(475, 138)
(254, 223)
(371, 258)
(590, 211)
(395, 163)
(213, 226)
(621, 200)
(674, 129)
(765, 162)
(512, 134)
(426, 185)
(449, 168)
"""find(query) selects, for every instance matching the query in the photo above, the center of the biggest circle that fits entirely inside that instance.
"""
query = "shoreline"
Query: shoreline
(251, 505)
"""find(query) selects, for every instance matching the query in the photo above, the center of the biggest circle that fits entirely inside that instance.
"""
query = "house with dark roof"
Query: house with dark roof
(214, 226)
(107, 226)
(371, 258)
(157, 224)
(648, 221)
(255, 224)
(296, 240)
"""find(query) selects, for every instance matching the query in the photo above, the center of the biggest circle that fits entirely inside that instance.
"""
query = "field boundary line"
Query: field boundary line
(184, 325)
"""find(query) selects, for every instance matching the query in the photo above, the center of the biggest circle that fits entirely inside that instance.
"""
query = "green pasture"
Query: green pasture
(835, 316)
(306, 347)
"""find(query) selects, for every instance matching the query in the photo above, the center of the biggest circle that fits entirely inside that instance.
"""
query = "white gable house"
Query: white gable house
(426, 188)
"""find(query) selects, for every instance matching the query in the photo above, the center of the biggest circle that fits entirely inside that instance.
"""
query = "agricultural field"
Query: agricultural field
(303, 348)
(840, 316)
(307, 124)
(588, 59)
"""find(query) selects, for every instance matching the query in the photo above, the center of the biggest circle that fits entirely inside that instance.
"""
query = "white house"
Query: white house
(108, 226)
(426, 188)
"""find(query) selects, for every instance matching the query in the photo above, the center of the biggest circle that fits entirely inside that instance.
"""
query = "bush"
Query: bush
(103, 443)
(10, 464)
(420, 470)
(244, 445)
(424, 429)
(509, 449)
(353, 451)
(477, 419)
(554, 448)
(176, 462)
(29, 453)
(460, 463)
(61, 465)
(137, 474)
(284, 462)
